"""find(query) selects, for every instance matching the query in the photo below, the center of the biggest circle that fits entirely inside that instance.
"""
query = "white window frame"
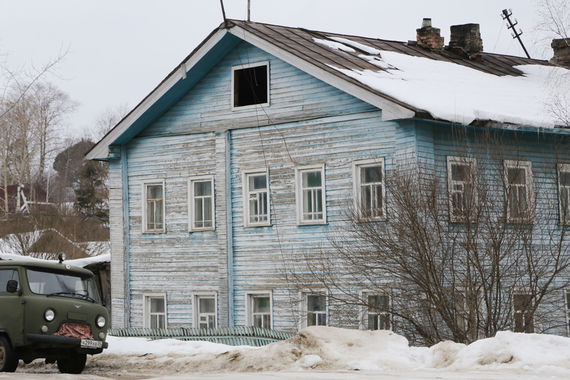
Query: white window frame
(196, 307)
(522, 292)
(248, 66)
(567, 303)
(304, 306)
(363, 315)
(466, 161)
(249, 299)
(357, 185)
(247, 193)
(191, 218)
(527, 166)
(299, 194)
(144, 223)
(563, 221)
(146, 308)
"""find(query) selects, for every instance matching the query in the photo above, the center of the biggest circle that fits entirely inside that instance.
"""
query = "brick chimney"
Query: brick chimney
(561, 49)
(466, 40)
(428, 37)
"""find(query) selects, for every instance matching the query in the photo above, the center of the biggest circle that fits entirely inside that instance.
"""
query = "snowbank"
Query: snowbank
(333, 349)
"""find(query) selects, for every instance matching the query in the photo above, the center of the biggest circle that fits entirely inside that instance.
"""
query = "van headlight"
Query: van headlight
(49, 315)
(101, 321)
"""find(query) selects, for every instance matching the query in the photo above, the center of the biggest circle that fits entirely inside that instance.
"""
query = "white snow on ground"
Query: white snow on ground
(461, 94)
(332, 349)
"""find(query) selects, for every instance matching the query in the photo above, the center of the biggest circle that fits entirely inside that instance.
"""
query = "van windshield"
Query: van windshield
(64, 285)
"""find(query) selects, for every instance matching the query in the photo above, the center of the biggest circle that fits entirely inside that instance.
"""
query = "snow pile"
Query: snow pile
(333, 349)
(461, 94)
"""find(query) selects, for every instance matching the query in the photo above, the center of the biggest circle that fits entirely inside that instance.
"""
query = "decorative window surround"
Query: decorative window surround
(369, 189)
(153, 207)
(154, 310)
(518, 191)
(311, 195)
(201, 208)
(256, 199)
(462, 187)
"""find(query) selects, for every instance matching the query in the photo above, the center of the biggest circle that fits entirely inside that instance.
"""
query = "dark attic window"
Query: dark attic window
(250, 85)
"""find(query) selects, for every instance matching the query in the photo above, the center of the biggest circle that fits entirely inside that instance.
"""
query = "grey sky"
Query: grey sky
(119, 50)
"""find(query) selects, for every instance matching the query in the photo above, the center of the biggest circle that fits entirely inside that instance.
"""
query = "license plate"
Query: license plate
(88, 343)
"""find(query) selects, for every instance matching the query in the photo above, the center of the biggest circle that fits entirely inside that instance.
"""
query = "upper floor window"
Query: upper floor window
(518, 180)
(370, 190)
(256, 199)
(155, 311)
(201, 203)
(311, 208)
(153, 207)
(564, 193)
(250, 84)
(461, 186)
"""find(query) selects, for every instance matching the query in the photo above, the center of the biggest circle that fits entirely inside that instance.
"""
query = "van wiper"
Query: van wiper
(73, 294)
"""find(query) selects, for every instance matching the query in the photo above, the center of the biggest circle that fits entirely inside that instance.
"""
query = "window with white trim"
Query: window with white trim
(155, 311)
(250, 84)
(259, 307)
(518, 180)
(370, 191)
(153, 207)
(564, 193)
(567, 301)
(201, 203)
(311, 204)
(461, 179)
(378, 316)
(316, 307)
(205, 307)
(523, 315)
(256, 199)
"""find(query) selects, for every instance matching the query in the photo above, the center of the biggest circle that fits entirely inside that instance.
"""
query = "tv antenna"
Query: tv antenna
(506, 15)
(224, 13)
(248, 10)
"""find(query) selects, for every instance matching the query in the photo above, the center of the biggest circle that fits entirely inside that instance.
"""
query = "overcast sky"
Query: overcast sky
(119, 50)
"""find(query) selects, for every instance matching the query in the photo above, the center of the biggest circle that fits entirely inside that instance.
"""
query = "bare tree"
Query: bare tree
(458, 259)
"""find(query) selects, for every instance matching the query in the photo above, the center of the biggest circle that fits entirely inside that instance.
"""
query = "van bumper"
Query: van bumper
(68, 342)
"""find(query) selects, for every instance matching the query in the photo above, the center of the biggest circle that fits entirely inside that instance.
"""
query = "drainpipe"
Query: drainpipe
(229, 230)
(127, 235)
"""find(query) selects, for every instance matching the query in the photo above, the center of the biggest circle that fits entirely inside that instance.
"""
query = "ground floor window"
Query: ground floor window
(378, 315)
(523, 320)
(205, 311)
(316, 306)
(155, 311)
(567, 299)
(259, 310)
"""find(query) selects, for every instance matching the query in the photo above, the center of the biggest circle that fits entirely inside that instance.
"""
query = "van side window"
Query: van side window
(7, 275)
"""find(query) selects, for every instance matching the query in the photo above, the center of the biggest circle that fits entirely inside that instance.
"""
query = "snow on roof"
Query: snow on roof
(458, 93)
(76, 262)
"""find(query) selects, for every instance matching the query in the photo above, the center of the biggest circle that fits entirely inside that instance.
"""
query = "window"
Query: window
(567, 299)
(461, 186)
(311, 195)
(155, 311)
(316, 306)
(250, 84)
(153, 208)
(256, 199)
(205, 311)
(7, 275)
(564, 193)
(369, 192)
(378, 312)
(259, 306)
(201, 203)
(522, 304)
(518, 179)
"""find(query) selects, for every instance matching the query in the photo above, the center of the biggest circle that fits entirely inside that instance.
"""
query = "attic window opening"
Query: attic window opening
(250, 84)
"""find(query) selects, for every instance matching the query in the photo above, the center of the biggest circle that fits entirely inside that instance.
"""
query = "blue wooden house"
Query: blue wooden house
(249, 153)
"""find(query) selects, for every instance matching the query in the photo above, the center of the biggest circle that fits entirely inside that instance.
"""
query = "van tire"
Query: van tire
(8, 358)
(72, 363)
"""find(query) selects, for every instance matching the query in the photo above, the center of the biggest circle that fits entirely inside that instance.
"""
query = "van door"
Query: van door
(12, 310)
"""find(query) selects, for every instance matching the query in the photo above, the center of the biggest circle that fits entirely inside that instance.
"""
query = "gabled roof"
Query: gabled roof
(402, 79)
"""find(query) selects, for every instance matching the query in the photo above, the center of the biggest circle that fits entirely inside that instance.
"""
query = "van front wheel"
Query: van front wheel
(8, 358)
(72, 363)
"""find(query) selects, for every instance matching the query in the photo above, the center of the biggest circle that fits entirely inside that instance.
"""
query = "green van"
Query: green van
(51, 311)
